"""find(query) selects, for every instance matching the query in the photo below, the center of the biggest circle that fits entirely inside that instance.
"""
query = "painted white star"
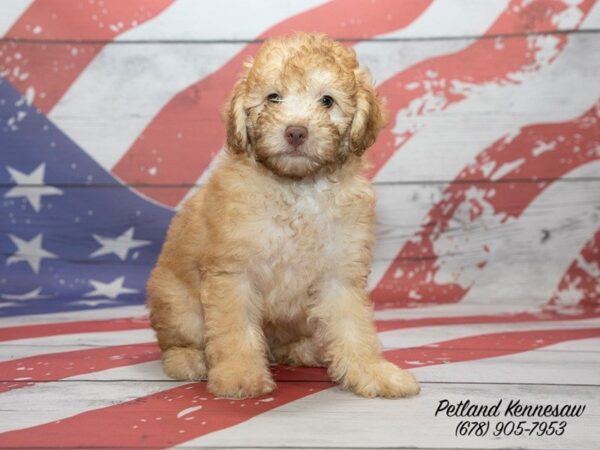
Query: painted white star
(31, 295)
(111, 290)
(29, 251)
(120, 245)
(31, 186)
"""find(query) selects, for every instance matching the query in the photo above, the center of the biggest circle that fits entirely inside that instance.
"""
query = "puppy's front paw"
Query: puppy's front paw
(184, 363)
(381, 379)
(240, 381)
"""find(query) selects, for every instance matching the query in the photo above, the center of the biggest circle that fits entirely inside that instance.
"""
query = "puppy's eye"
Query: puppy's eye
(274, 98)
(326, 101)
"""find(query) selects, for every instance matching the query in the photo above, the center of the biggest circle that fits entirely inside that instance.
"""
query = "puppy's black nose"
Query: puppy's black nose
(296, 135)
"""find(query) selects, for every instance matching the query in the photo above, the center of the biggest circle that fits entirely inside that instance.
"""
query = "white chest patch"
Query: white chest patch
(298, 238)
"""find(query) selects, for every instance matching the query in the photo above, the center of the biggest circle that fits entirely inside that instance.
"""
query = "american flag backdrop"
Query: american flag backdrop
(488, 184)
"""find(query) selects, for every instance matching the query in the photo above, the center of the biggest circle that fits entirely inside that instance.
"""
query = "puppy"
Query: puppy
(269, 260)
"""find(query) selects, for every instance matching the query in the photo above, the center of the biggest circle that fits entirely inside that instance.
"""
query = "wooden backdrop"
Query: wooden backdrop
(487, 176)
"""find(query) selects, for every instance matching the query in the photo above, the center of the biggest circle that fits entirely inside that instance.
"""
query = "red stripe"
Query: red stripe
(88, 326)
(410, 279)
(152, 420)
(194, 113)
(56, 366)
(50, 68)
(432, 85)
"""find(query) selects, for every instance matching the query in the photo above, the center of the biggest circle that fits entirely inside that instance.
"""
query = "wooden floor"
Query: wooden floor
(99, 384)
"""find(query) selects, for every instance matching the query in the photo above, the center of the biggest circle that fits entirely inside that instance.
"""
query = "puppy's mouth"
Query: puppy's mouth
(295, 152)
(298, 152)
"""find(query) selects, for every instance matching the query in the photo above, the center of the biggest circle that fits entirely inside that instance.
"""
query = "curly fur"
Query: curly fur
(270, 259)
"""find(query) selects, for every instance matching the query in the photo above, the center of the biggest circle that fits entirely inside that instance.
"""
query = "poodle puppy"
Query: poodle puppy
(269, 260)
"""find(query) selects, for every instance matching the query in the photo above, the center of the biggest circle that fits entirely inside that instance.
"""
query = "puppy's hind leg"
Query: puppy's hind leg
(176, 316)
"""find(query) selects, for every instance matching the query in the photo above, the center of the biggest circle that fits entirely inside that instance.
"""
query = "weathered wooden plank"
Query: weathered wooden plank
(24, 348)
(189, 20)
(136, 312)
(550, 365)
(119, 94)
(401, 211)
(415, 337)
(559, 364)
(69, 348)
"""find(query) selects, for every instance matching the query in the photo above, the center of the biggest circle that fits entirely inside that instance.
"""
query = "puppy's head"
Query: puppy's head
(303, 105)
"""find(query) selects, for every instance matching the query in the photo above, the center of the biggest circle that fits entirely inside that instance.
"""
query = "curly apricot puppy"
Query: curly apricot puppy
(270, 259)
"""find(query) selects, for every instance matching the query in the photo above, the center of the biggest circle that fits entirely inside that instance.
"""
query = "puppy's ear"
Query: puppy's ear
(370, 116)
(235, 116)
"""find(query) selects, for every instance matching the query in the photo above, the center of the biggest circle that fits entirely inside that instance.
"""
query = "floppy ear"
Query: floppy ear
(370, 116)
(235, 115)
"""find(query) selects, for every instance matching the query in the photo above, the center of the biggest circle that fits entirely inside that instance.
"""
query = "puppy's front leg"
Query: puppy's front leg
(353, 350)
(235, 344)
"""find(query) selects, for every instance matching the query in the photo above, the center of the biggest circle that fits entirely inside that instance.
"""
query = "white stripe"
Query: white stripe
(122, 90)
(23, 348)
(10, 13)
(137, 311)
(213, 20)
(472, 18)
(148, 371)
(469, 18)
